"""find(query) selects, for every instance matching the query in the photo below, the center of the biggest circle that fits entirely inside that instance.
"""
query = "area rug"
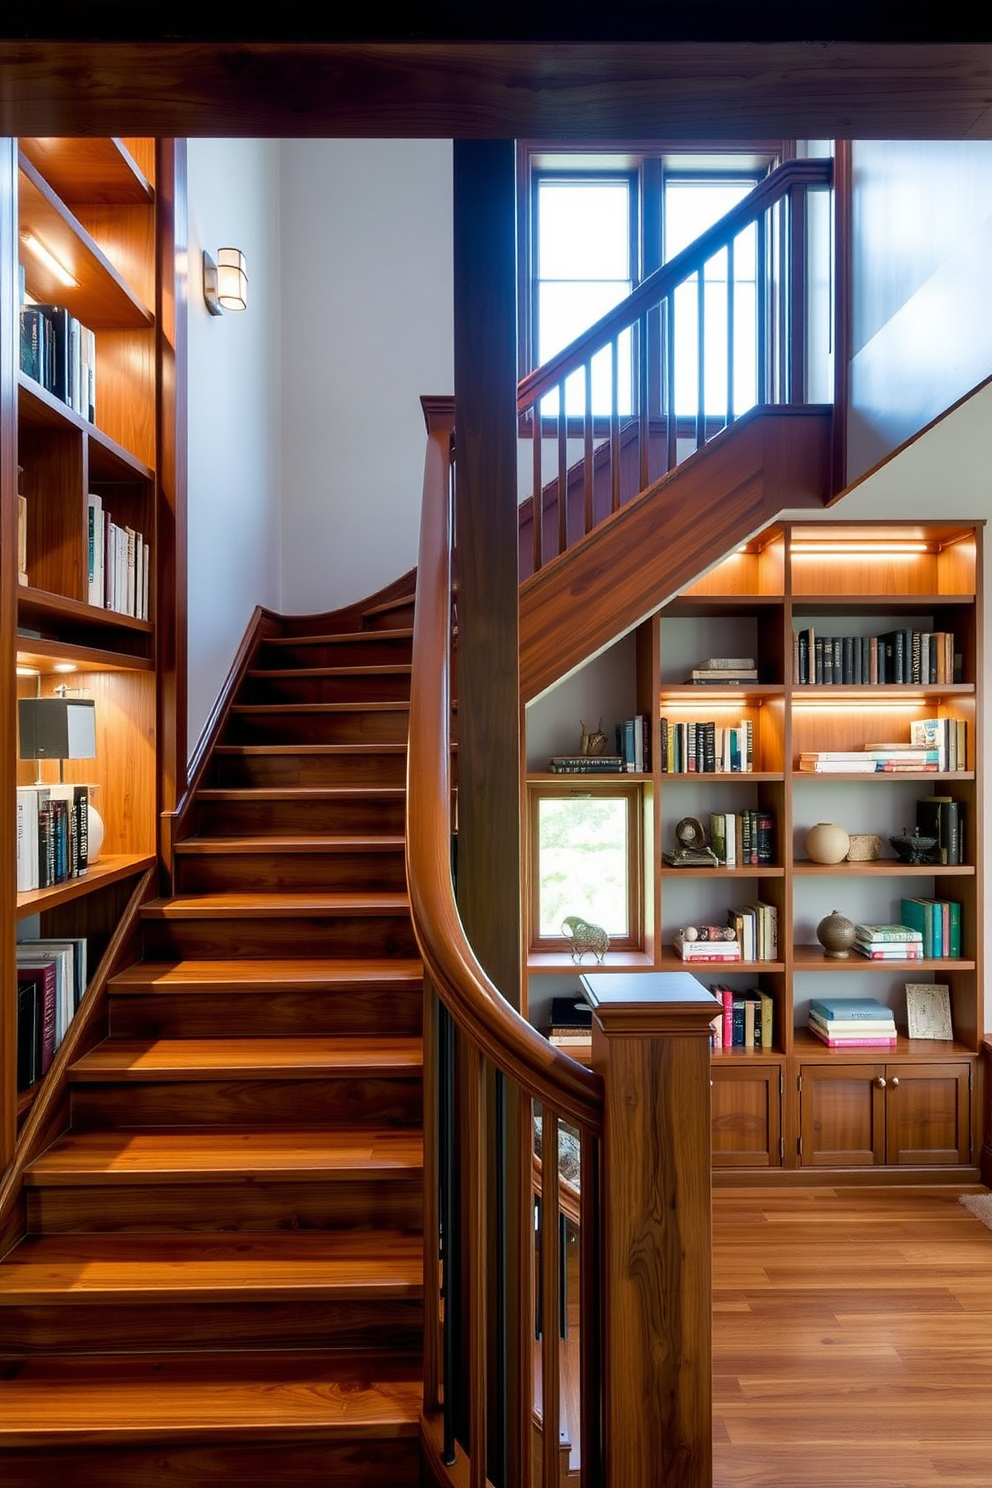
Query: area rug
(980, 1206)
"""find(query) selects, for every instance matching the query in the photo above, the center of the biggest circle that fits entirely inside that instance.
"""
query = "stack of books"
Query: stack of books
(873, 759)
(707, 943)
(852, 1023)
(587, 764)
(571, 1025)
(724, 671)
(888, 942)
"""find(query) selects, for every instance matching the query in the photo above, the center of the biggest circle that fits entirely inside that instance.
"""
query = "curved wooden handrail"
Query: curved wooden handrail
(505, 1038)
(665, 280)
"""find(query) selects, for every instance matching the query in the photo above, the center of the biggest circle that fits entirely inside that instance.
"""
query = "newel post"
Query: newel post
(650, 1043)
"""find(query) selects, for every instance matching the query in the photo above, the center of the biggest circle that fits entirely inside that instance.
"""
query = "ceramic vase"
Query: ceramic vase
(827, 843)
(835, 932)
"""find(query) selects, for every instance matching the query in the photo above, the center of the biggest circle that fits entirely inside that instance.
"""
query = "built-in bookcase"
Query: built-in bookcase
(90, 236)
(798, 1105)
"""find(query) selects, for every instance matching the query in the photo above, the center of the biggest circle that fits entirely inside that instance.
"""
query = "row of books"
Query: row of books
(118, 563)
(745, 837)
(750, 934)
(634, 743)
(704, 747)
(939, 924)
(747, 1020)
(59, 352)
(852, 1023)
(52, 834)
(51, 980)
(897, 657)
(888, 942)
(943, 817)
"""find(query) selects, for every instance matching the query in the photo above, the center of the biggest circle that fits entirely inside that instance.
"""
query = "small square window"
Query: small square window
(586, 859)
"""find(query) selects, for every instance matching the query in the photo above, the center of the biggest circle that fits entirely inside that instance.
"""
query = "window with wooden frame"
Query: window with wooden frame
(595, 221)
(586, 858)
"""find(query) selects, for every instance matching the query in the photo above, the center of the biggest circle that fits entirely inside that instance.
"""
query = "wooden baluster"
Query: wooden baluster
(614, 425)
(433, 1354)
(562, 470)
(476, 1250)
(797, 305)
(701, 357)
(537, 445)
(550, 1302)
(730, 331)
(589, 475)
(590, 1356)
(644, 412)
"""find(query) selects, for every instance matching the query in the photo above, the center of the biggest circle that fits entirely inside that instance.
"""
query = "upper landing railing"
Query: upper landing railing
(741, 317)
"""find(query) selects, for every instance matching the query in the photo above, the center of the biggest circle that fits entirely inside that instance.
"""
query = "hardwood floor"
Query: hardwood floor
(852, 1341)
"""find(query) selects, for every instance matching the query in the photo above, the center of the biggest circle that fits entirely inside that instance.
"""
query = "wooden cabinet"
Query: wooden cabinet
(794, 584)
(900, 1113)
(92, 225)
(746, 1115)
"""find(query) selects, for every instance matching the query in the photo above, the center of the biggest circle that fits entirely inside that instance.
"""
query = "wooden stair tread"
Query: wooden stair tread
(332, 843)
(290, 902)
(399, 705)
(248, 976)
(90, 1400)
(290, 750)
(203, 1154)
(169, 1268)
(307, 674)
(317, 793)
(260, 1058)
(402, 633)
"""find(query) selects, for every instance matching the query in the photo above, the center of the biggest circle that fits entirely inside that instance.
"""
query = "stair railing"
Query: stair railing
(566, 1212)
(649, 384)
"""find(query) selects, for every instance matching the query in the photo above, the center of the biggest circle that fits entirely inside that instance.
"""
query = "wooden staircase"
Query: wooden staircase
(222, 1279)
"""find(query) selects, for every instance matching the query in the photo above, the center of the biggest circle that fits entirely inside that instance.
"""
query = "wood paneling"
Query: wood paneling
(492, 89)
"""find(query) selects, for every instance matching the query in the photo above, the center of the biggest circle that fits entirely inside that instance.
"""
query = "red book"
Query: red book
(43, 972)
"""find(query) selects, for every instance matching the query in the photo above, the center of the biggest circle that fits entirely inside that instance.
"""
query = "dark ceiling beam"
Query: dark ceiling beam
(478, 90)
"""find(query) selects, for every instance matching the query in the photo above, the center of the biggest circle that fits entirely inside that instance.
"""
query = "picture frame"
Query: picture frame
(928, 1010)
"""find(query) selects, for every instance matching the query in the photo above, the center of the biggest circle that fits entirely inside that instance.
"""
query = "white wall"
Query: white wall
(366, 330)
(234, 412)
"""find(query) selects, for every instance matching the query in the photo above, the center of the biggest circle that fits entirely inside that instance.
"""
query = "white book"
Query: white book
(28, 799)
(95, 549)
(146, 571)
(730, 839)
(63, 953)
(130, 585)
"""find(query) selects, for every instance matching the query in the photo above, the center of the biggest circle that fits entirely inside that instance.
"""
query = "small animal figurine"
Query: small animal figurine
(585, 937)
(593, 741)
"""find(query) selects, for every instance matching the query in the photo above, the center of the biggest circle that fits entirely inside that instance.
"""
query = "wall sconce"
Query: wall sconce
(225, 283)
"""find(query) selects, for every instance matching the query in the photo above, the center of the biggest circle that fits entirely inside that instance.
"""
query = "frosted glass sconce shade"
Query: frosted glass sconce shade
(225, 281)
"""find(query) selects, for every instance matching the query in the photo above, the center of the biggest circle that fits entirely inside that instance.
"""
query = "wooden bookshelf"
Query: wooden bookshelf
(771, 1106)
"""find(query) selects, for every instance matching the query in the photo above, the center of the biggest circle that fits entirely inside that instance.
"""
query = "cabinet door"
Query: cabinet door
(746, 1105)
(842, 1115)
(927, 1114)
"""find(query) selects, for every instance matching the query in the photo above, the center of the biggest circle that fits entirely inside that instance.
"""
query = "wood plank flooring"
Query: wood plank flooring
(852, 1339)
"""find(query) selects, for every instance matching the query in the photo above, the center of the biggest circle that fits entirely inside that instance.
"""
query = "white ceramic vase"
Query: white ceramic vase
(827, 843)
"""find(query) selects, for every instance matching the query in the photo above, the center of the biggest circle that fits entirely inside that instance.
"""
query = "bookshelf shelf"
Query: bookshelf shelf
(754, 605)
(111, 868)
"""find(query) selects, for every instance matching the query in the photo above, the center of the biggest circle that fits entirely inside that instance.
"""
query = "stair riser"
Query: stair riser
(279, 1103)
(375, 650)
(221, 873)
(279, 1464)
(350, 687)
(238, 770)
(266, 1014)
(313, 817)
(317, 1322)
(284, 726)
(347, 1204)
(272, 939)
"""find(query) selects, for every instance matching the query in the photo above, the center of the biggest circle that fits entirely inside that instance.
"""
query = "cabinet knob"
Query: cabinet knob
(880, 1081)
(894, 1081)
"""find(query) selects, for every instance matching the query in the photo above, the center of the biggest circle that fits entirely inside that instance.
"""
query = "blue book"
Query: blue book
(849, 1009)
